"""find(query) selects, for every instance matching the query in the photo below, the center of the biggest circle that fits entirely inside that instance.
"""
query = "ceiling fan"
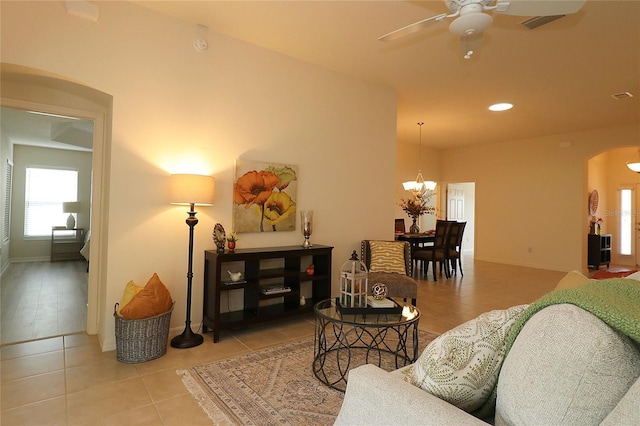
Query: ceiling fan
(470, 20)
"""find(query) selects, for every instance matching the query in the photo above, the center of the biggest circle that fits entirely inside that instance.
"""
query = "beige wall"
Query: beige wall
(177, 110)
(531, 195)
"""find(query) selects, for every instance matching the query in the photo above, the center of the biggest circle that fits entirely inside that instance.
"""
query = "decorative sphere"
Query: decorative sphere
(379, 291)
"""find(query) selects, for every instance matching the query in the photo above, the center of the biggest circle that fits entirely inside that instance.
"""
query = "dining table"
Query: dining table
(417, 241)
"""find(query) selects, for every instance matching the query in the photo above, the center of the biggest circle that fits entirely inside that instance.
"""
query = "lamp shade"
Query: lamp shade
(192, 189)
(410, 185)
(71, 207)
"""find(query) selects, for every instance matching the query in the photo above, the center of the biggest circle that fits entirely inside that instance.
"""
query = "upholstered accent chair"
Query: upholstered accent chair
(389, 262)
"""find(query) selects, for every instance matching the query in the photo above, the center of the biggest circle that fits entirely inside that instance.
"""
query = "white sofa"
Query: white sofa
(566, 366)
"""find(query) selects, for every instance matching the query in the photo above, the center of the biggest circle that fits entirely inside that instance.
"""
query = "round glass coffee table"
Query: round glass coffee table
(345, 341)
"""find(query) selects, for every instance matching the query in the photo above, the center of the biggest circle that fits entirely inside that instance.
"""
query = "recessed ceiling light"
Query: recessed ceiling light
(501, 107)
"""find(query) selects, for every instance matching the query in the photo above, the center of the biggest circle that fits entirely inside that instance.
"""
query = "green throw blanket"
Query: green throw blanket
(615, 301)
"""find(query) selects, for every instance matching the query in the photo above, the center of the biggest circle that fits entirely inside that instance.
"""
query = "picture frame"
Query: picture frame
(264, 197)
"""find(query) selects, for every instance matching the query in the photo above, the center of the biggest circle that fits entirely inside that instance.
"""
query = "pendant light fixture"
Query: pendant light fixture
(635, 166)
(419, 187)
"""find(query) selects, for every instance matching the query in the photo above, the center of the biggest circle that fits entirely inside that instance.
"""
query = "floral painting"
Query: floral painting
(264, 197)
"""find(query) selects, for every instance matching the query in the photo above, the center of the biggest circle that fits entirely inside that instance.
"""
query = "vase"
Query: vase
(231, 245)
(306, 227)
(414, 228)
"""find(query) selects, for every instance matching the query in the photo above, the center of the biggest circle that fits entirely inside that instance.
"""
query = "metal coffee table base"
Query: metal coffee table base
(340, 347)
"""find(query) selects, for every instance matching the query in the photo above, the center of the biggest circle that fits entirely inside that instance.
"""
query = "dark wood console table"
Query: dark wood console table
(262, 269)
(599, 250)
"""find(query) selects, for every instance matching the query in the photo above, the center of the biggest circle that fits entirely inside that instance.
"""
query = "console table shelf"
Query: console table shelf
(261, 268)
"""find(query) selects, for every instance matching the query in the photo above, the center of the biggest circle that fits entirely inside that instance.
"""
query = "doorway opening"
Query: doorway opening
(615, 211)
(45, 283)
(27, 89)
(460, 206)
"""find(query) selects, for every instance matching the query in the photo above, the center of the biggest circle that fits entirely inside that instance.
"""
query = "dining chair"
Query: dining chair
(436, 253)
(456, 232)
(389, 262)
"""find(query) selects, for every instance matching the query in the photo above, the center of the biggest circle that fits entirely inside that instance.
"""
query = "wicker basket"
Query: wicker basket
(140, 340)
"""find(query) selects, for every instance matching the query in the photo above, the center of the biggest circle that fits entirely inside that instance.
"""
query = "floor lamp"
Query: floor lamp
(190, 190)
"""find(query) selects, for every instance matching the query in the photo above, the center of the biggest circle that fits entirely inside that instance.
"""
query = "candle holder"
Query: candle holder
(306, 227)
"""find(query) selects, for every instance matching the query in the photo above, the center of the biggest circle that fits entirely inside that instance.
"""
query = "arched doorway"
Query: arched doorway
(33, 90)
(608, 175)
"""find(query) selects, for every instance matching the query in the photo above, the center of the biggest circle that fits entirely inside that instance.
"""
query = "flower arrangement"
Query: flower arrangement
(417, 206)
(232, 237)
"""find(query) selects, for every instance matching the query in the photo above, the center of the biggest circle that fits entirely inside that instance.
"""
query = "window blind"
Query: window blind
(45, 191)
(7, 203)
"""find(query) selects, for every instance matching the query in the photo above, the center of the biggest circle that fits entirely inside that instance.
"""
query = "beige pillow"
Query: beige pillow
(462, 365)
(566, 367)
(387, 256)
(154, 299)
(572, 279)
(130, 290)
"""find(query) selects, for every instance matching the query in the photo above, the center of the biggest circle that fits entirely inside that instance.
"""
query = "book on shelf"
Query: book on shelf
(235, 282)
(275, 289)
(382, 303)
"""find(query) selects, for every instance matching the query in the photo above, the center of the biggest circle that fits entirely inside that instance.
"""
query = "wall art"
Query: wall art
(264, 197)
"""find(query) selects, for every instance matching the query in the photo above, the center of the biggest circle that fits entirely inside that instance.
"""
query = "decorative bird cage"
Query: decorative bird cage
(354, 279)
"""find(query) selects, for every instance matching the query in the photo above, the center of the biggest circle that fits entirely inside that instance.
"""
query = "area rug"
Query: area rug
(272, 386)
(603, 274)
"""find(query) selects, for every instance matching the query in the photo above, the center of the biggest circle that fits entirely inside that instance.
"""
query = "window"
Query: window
(45, 191)
(626, 231)
(7, 203)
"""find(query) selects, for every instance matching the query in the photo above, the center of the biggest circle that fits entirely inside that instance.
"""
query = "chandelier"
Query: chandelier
(419, 187)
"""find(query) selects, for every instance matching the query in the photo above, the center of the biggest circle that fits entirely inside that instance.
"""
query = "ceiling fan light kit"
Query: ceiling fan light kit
(470, 24)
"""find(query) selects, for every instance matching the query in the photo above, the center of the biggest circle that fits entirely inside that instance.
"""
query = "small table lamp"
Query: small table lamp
(71, 207)
(190, 190)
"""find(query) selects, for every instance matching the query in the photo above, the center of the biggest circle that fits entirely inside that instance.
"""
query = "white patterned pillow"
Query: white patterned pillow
(387, 256)
(462, 365)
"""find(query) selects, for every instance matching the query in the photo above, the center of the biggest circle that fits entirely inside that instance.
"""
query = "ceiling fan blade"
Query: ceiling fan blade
(538, 7)
(412, 28)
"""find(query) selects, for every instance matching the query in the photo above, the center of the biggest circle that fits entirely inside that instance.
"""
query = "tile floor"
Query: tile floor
(42, 299)
(69, 381)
